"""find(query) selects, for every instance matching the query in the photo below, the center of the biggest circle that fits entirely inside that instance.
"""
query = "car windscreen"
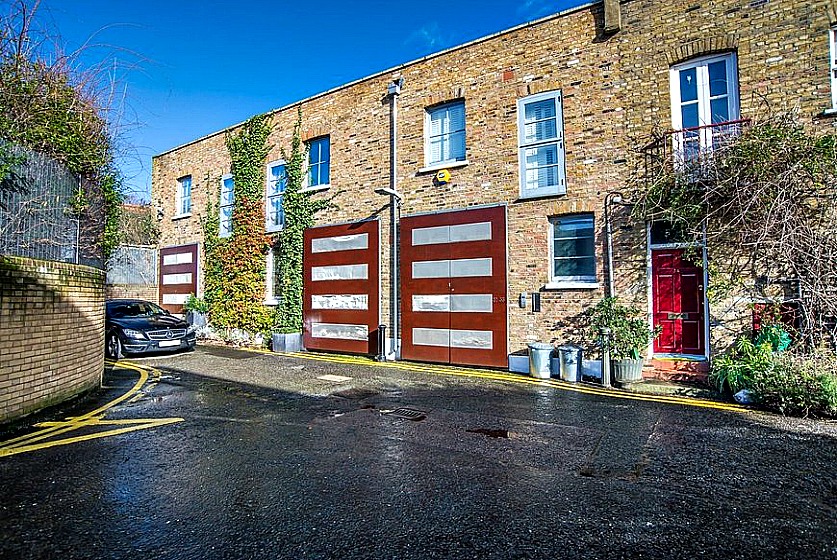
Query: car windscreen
(135, 309)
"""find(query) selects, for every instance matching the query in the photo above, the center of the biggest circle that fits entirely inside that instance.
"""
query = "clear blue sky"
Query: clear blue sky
(186, 68)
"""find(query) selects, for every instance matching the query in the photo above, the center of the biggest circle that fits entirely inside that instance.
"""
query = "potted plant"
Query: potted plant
(629, 337)
(196, 309)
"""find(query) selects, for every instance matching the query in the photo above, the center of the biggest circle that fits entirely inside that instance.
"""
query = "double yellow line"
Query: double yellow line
(512, 378)
(44, 437)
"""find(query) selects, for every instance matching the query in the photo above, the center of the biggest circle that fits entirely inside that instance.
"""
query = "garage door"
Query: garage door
(341, 288)
(453, 270)
(178, 275)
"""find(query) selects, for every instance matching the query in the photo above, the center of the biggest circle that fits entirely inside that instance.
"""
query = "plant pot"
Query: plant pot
(196, 318)
(626, 371)
(287, 342)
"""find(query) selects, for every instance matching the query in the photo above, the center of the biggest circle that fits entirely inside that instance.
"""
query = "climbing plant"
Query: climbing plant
(235, 265)
(300, 209)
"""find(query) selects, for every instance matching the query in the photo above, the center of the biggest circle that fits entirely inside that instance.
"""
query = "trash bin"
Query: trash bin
(569, 362)
(539, 353)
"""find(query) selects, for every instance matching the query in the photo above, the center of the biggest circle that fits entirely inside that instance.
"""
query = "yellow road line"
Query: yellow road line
(93, 418)
(510, 378)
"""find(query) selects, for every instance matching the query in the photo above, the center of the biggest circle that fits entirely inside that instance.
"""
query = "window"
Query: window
(277, 181)
(225, 210)
(832, 40)
(183, 197)
(273, 289)
(573, 251)
(704, 100)
(445, 134)
(319, 159)
(540, 128)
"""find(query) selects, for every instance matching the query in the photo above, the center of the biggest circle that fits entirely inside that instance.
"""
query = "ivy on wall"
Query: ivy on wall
(235, 266)
(300, 210)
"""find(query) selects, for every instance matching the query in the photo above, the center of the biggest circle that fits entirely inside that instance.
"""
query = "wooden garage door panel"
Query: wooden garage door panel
(334, 317)
(471, 261)
(182, 259)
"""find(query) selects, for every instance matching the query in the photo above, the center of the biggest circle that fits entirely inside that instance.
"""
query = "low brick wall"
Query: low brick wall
(131, 291)
(52, 324)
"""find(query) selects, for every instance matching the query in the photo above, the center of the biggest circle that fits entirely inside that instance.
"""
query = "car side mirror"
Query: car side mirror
(166, 311)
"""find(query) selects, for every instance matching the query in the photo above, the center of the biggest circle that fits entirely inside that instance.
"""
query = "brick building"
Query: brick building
(531, 128)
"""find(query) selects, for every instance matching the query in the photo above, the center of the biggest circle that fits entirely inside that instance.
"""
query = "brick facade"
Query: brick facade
(615, 91)
(52, 328)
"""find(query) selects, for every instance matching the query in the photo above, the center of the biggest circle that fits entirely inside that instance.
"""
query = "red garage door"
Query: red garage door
(178, 275)
(341, 283)
(453, 270)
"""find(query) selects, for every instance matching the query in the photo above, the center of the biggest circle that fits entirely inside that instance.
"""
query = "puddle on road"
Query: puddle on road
(492, 433)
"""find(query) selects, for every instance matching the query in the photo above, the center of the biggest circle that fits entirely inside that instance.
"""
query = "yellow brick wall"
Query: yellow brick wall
(615, 92)
(52, 323)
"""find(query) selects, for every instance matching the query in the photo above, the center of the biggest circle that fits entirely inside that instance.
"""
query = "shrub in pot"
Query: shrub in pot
(629, 337)
(196, 309)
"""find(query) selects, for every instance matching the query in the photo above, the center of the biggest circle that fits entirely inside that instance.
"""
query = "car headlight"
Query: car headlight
(131, 333)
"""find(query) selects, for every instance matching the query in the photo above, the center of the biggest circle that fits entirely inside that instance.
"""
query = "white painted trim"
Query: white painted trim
(569, 282)
(571, 286)
(268, 228)
(316, 188)
(832, 47)
(445, 165)
(561, 188)
(436, 165)
(221, 233)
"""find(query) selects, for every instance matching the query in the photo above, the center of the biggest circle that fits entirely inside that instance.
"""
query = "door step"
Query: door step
(677, 369)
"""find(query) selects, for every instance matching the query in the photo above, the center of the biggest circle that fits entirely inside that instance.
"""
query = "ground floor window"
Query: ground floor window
(273, 278)
(573, 250)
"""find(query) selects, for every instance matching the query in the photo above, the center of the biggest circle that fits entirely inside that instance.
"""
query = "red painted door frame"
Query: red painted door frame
(456, 322)
(678, 303)
(369, 286)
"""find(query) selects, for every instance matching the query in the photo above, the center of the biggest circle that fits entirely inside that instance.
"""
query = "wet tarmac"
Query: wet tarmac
(283, 457)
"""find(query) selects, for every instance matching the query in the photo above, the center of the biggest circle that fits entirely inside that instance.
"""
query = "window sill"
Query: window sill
(536, 196)
(181, 216)
(831, 112)
(315, 188)
(271, 302)
(444, 165)
(571, 286)
(270, 229)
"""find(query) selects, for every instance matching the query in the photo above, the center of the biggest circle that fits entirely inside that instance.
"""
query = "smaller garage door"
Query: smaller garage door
(341, 288)
(178, 275)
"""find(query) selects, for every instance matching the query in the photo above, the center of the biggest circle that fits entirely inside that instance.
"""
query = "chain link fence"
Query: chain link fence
(36, 215)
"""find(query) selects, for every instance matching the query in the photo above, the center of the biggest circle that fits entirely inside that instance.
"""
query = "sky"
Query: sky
(181, 69)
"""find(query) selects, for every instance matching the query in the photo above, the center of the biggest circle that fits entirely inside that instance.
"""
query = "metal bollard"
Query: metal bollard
(382, 344)
(605, 334)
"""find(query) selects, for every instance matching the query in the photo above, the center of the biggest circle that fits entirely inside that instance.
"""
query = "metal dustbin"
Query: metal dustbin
(539, 357)
(569, 362)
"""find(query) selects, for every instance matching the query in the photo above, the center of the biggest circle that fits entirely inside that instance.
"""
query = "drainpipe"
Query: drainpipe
(394, 90)
(610, 198)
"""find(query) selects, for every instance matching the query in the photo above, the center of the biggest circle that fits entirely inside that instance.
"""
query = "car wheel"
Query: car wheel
(113, 346)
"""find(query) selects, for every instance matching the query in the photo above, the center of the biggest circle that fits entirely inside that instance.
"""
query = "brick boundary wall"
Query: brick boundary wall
(132, 291)
(52, 325)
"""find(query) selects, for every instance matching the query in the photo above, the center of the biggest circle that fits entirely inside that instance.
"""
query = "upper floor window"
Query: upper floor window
(832, 40)
(183, 197)
(573, 251)
(704, 101)
(319, 163)
(225, 210)
(277, 181)
(445, 134)
(540, 129)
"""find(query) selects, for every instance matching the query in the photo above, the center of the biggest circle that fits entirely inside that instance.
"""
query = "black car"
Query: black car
(134, 326)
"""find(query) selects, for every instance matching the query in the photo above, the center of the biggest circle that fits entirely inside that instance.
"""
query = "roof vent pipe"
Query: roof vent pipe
(612, 16)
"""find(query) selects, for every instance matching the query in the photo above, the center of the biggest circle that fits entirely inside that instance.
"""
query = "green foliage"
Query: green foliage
(775, 336)
(300, 211)
(235, 266)
(630, 334)
(737, 369)
(196, 304)
(798, 385)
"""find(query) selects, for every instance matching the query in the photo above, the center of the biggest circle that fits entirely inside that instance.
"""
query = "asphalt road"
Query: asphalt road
(226, 454)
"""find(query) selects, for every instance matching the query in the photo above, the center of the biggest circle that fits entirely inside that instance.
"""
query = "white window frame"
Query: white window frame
(558, 141)
(459, 160)
(832, 47)
(704, 99)
(571, 282)
(307, 186)
(270, 297)
(222, 230)
(182, 197)
(270, 227)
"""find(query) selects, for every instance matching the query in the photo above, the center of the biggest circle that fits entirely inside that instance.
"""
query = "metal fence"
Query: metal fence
(35, 211)
(135, 266)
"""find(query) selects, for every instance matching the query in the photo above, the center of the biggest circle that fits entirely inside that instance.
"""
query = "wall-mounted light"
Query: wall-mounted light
(386, 191)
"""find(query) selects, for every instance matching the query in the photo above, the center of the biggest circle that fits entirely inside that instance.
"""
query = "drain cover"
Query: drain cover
(490, 432)
(408, 414)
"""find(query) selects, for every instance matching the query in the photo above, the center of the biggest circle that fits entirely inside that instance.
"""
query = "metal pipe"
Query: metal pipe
(610, 198)
(604, 332)
(394, 91)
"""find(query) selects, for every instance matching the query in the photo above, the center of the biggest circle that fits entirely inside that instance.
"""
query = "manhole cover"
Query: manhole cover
(407, 414)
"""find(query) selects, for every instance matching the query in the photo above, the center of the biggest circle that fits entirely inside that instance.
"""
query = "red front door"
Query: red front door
(453, 287)
(340, 288)
(678, 303)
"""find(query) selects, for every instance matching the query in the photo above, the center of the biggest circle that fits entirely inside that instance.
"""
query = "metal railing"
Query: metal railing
(132, 265)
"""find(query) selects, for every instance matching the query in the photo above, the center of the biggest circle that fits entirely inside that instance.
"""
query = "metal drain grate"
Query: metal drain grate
(407, 414)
